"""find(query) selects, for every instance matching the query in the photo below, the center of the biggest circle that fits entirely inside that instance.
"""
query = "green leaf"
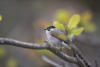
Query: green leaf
(62, 16)
(86, 16)
(2, 52)
(45, 52)
(11, 62)
(77, 31)
(88, 26)
(58, 25)
(0, 17)
(73, 22)
(69, 35)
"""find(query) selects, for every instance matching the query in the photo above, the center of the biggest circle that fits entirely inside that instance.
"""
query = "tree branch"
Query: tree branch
(46, 45)
(8, 41)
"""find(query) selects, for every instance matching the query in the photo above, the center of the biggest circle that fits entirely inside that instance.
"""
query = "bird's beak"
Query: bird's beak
(42, 29)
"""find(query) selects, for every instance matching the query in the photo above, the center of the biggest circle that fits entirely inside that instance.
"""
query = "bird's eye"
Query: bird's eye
(48, 29)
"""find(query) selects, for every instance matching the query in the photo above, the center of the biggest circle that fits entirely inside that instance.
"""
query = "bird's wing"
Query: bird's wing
(59, 35)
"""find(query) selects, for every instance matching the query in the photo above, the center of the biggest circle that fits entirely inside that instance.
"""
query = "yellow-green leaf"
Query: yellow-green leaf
(45, 52)
(90, 27)
(62, 16)
(11, 62)
(86, 16)
(2, 52)
(0, 17)
(58, 25)
(69, 36)
(77, 31)
(73, 22)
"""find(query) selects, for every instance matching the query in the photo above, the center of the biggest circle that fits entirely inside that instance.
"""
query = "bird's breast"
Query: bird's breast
(53, 40)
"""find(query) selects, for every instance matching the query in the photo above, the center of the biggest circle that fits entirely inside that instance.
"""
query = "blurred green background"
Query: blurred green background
(22, 20)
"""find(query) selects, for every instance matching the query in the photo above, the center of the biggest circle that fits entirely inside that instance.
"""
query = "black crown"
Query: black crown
(50, 27)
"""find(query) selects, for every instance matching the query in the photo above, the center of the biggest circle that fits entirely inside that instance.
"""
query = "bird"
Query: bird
(56, 37)
(59, 38)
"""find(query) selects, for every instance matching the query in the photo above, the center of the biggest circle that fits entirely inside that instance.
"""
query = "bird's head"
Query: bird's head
(50, 28)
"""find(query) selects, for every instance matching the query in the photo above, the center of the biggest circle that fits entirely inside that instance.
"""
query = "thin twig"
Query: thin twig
(55, 61)
(82, 62)
(51, 61)
(96, 63)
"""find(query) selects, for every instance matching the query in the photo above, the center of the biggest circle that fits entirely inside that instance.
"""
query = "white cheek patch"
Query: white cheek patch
(54, 29)
(51, 29)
